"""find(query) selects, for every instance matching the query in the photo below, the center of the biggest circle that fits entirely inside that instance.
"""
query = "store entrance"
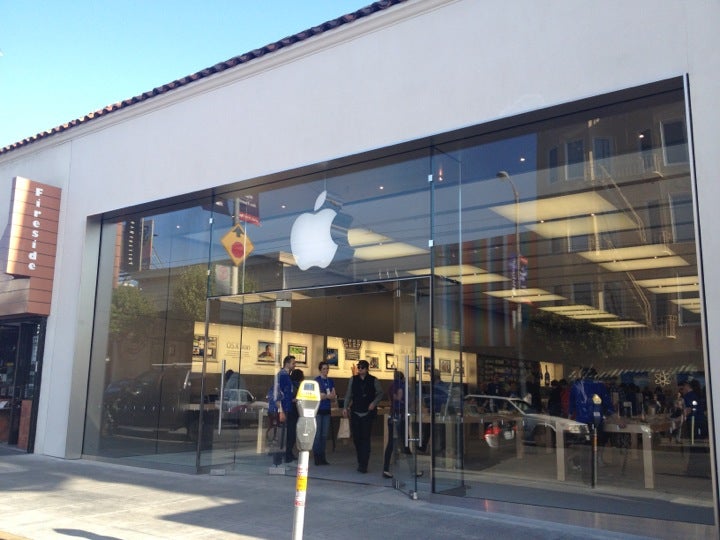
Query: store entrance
(20, 363)
(384, 322)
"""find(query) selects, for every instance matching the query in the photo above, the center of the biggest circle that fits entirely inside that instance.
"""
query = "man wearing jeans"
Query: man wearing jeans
(363, 395)
(322, 418)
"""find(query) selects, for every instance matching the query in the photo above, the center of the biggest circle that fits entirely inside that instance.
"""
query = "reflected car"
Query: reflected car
(503, 416)
(240, 407)
(163, 399)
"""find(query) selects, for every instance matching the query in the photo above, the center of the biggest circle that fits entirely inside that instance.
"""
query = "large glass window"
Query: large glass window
(544, 295)
(609, 317)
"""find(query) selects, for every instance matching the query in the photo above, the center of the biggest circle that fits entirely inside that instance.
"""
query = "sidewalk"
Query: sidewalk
(47, 498)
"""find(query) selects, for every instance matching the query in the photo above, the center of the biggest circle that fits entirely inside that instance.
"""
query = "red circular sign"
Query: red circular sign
(238, 250)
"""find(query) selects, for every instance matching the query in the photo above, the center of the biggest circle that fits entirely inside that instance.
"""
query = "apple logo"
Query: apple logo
(311, 241)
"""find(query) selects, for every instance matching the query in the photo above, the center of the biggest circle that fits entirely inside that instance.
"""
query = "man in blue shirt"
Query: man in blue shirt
(590, 404)
(283, 398)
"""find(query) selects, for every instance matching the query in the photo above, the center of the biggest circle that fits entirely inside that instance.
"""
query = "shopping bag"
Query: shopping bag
(344, 429)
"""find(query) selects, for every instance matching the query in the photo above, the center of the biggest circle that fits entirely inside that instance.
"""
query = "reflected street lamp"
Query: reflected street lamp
(517, 284)
(504, 175)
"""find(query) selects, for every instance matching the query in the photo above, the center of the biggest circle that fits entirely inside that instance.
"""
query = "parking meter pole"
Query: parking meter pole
(222, 396)
(308, 401)
(300, 494)
(594, 455)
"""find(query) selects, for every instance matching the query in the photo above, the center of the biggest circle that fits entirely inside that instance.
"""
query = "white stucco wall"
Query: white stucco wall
(420, 68)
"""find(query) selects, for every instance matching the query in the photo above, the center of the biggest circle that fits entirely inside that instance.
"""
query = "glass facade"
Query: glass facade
(538, 282)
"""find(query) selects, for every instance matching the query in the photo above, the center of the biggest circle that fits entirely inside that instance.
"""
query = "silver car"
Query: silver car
(502, 417)
(239, 406)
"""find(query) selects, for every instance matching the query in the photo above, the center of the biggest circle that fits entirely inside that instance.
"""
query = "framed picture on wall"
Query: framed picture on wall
(427, 364)
(266, 352)
(445, 366)
(374, 360)
(459, 367)
(299, 352)
(201, 349)
(331, 357)
(390, 361)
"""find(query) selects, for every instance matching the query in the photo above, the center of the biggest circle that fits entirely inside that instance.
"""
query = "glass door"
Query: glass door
(444, 372)
(20, 360)
(410, 426)
(245, 343)
(381, 322)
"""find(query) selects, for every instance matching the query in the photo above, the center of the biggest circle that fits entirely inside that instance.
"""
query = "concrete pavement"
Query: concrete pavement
(47, 498)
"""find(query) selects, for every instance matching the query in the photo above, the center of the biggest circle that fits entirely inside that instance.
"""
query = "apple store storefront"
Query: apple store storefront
(495, 267)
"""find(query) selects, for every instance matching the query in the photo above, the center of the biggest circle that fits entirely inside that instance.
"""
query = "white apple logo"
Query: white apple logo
(310, 239)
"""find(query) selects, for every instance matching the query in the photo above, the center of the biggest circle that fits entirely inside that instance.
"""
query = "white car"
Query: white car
(502, 416)
(239, 406)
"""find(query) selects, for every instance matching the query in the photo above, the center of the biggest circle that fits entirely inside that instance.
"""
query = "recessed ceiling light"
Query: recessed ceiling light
(619, 324)
(523, 296)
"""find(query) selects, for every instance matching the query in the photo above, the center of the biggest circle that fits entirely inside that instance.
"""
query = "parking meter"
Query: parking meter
(597, 420)
(308, 401)
(597, 411)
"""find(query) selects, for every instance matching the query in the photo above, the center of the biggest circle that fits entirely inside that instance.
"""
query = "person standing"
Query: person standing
(555, 399)
(363, 395)
(590, 404)
(296, 376)
(396, 421)
(694, 409)
(283, 398)
(437, 404)
(322, 418)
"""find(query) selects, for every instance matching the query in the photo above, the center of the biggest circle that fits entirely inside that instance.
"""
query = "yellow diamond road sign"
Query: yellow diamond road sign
(237, 244)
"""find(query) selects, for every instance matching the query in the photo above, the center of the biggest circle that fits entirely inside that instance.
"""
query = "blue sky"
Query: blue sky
(62, 59)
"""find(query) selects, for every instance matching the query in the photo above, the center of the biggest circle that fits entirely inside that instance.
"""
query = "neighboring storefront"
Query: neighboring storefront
(27, 251)
(520, 255)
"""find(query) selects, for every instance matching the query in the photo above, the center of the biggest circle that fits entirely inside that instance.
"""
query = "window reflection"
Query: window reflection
(558, 246)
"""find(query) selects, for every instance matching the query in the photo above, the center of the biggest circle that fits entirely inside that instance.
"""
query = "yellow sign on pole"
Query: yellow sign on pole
(237, 244)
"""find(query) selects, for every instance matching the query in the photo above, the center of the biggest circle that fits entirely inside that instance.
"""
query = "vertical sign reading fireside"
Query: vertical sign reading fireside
(33, 230)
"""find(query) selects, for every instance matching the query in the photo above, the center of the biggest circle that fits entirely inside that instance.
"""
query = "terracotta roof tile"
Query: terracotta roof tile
(217, 68)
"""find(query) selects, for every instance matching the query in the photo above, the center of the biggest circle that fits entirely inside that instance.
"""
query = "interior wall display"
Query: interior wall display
(390, 361)
(200, 346)
(266, 352)
(459, 367)
(299, 352)
(331, 357)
